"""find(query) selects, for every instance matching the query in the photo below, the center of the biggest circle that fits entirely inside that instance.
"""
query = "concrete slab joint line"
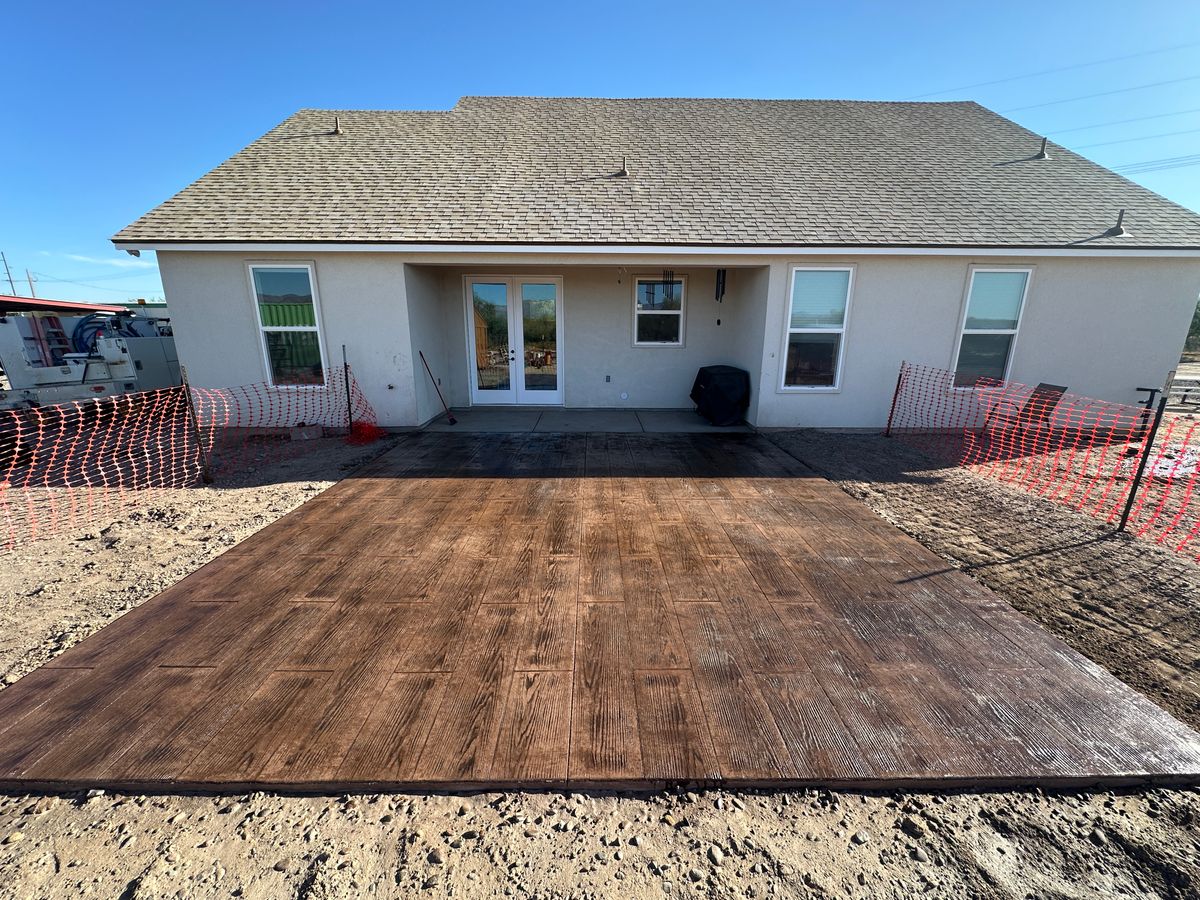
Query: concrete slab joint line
(566, 420)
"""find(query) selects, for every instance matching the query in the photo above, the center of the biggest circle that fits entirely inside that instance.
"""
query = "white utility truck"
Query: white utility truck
(57, 356)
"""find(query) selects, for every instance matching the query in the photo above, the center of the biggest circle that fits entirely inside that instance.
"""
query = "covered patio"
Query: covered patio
(584, 610)
(582, 336)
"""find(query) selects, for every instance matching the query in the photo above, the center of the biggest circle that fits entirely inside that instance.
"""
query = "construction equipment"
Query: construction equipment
(54, 358)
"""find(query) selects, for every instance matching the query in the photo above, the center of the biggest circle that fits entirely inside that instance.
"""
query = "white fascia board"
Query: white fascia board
(652, 250)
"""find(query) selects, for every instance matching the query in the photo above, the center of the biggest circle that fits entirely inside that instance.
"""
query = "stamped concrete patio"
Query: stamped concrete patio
(551, 610)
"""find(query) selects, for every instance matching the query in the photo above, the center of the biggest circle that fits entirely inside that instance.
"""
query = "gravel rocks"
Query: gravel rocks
(912, 827)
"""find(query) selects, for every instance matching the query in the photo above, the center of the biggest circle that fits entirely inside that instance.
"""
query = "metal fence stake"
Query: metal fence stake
(349, 405)
(194, 427)
(887, 431)
(1141, 467)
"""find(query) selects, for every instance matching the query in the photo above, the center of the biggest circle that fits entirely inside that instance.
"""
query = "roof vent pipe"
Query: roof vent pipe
(1042, 154)
(337, 125)
(1118, 229)
(623, 172)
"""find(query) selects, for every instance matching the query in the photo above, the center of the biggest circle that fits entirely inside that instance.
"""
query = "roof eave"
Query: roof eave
(684, 248)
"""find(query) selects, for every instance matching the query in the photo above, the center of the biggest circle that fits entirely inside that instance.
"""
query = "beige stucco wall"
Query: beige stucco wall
(362, 305)
(428, 335)
(1101, 326)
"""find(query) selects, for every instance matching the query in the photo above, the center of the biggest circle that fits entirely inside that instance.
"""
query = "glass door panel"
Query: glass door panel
(491, 342)
(539, 332)
(514, 336)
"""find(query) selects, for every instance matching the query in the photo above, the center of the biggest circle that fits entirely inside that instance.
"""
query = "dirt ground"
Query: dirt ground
(1130, 607)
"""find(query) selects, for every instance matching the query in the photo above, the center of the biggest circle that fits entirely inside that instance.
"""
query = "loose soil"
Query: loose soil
(1129, 606)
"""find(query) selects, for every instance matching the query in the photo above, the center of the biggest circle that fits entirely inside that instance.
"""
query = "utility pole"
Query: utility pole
(12, 287)
(31, 280)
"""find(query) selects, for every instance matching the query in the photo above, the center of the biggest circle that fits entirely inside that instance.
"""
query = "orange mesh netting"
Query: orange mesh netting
(73, 464)
(1077, 451)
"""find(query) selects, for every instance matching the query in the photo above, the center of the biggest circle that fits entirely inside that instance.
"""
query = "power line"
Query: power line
(1097, 62)
(109, 276)
(1182, 112)
(1157, 165)
(1178, 165)
(94, 287)
(1136, 87)
(1145, 137)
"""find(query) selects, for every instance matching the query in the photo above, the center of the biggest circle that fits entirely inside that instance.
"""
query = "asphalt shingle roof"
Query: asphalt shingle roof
(721, 172)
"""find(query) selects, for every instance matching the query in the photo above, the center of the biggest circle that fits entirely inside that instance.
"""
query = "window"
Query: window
(994, 303)
(286, 304)
(658, 312)
(816, 327)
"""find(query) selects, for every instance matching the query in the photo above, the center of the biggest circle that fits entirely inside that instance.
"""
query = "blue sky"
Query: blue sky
(111, 109)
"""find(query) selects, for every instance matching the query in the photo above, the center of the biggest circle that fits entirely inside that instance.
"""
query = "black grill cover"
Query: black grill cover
(722, 394)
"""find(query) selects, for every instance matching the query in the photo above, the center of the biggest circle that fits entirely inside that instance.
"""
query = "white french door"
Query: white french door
(514, 332)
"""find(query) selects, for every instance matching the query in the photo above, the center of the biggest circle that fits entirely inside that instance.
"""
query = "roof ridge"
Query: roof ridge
(676, 99)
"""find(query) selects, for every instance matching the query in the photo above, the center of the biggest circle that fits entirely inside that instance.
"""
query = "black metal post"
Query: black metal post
(194, 428)
(1148, 403)
(887, 432)
(349, 404)
(1141, 467)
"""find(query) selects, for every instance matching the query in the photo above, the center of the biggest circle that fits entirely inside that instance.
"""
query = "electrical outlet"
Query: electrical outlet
(608, 378)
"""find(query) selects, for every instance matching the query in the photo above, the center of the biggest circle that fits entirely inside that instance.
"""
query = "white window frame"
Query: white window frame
(658, 279)
(525, 397)
(966, 309)
(788, 331)
(262, 330)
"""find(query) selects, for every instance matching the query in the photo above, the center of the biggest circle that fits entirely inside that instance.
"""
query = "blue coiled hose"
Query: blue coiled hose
(83, 338)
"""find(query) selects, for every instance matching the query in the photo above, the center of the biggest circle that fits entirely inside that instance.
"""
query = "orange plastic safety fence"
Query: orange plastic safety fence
(73, 464)
(1077, 451)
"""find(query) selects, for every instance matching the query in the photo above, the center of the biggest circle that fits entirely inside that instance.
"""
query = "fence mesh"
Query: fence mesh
(1076, 451)
(69, 465)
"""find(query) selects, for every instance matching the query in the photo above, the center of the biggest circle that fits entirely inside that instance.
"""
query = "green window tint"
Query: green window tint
(995, 302)
(287, 314)
(295, 357)
(284, 298)
(819, 298)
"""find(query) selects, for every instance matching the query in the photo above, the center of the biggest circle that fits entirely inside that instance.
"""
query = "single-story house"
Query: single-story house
(596, 253)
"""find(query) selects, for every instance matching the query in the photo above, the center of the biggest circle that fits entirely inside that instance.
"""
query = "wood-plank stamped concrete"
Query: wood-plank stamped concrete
(579, 610)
